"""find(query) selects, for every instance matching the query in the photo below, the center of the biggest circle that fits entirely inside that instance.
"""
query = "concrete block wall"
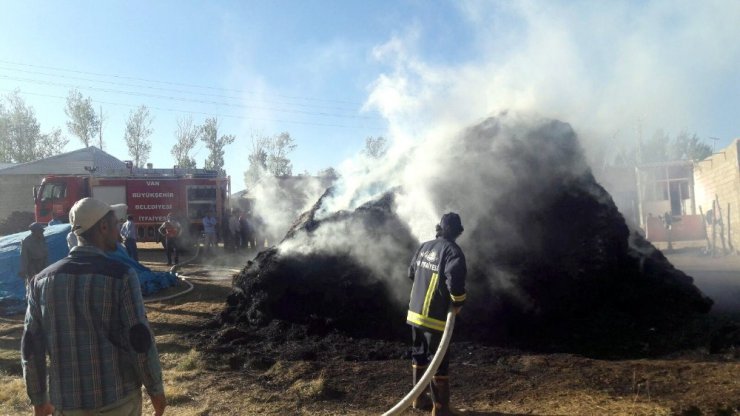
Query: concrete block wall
(16, 193)
(719, 175)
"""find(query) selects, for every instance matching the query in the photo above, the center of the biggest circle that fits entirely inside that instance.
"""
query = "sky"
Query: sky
(334, 73)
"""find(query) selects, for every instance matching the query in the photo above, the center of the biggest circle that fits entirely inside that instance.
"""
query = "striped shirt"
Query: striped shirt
(87, 313)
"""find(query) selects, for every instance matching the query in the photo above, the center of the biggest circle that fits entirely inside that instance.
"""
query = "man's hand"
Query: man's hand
(159, 402)
(43, 409)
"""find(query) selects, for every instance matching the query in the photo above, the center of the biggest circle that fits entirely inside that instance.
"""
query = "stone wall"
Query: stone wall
(719, 176)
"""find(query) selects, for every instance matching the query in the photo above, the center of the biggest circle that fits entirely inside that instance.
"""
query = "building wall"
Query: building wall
(16, 193)
(719, 175)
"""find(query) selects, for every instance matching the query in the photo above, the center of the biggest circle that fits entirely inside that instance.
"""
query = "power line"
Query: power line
(173, 98)
(149, 87)
(171, 83)
(207, 113)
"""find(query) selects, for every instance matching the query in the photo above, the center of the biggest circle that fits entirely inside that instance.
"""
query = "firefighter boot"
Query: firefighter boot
(441, 396)
(424, 400)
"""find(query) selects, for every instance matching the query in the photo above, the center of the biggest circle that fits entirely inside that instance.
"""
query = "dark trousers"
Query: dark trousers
(170, 244)
(130, 244)
(244, 236)
(231, 241)
(424, 343)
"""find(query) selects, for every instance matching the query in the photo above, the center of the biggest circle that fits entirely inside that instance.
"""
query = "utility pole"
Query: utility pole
(100, 132)
(714, 141)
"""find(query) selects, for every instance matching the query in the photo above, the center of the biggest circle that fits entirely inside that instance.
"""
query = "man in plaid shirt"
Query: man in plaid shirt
(87, 313)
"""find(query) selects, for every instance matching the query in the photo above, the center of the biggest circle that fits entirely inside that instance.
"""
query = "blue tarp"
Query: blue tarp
(12, 287)
(151, 281)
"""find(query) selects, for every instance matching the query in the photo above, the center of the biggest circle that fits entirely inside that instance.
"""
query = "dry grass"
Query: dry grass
(515, 384)
(190, 361)
(312, 390)
(13, 395)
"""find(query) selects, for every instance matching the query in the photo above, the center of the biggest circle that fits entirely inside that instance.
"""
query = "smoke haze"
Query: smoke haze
(506, 139)
(611, 71)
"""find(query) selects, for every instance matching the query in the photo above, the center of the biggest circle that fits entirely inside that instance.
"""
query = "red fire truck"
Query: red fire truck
(150, 196)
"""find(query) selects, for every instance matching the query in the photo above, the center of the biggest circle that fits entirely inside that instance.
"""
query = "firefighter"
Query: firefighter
(171, 229)
(438, 273)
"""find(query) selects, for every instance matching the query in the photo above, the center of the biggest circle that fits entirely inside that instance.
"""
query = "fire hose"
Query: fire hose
(431, 370)
(173, 270)
(177, 266)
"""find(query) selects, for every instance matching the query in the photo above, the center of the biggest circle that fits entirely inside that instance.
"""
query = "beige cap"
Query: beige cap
(88, 211)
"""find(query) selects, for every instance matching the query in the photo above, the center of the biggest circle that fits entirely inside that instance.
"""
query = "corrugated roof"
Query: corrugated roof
(70, 163)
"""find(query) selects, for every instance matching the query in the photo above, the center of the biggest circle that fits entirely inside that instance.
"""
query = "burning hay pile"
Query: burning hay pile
(552, 264)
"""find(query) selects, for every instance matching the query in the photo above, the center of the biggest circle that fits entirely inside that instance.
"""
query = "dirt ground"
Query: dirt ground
(484, 380)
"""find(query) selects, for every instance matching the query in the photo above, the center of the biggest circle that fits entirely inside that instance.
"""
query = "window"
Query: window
(201, 199)
(656, 191)
(53, 191)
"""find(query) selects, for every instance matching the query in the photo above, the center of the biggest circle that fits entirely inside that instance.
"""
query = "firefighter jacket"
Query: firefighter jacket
(170, 229)
(438, 271)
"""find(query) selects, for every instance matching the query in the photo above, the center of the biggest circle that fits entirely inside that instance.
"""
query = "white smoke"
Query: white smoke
(606, 69)
(278, 201)
(378, 252)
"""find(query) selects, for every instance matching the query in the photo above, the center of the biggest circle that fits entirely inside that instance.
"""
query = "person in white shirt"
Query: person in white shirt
(209, 228)
(128, 233)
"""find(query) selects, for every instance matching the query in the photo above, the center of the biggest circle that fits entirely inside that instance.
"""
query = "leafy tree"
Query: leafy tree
(209, 135)
(278, 148)
(270, 156)
(329, 173)
(21, 139)
(257, 160)
(187, 136)
(5, 142)
(83, 123)
(691, 147)
(51, 144)
(375, 147)
(138, 130)
(662, 148)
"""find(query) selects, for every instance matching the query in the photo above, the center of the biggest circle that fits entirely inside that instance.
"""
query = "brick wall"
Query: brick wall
(719, 175)
(16, 193)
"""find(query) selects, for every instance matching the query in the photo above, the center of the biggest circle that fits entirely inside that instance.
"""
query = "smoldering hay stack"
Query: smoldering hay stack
(552, 264)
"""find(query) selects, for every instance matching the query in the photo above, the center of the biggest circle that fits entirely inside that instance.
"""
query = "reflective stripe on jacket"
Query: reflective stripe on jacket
(438, 271)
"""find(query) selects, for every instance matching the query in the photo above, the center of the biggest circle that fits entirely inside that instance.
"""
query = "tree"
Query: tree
(690, 147)
(278, 148)
(662, 148)
(257, 159)
(51, 144)
(270, 155)
(375, 147)
(21, 139)
(329, 173)
(187, 136)
(138, 130)
(83, 123)
(209, 135)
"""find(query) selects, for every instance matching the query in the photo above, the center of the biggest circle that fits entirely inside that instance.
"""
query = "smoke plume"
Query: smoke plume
(551, 262)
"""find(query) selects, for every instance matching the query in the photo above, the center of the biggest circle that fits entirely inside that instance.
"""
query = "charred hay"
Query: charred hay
(552, 263)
